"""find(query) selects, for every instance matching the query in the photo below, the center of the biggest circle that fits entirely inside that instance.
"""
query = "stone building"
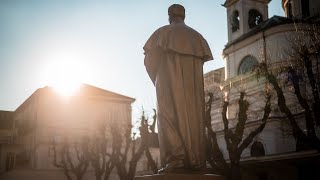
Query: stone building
(255, 38)
(27, 134)
(46, 116)
(8, 146)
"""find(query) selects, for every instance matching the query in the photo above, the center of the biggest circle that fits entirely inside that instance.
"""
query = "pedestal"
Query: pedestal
(181, 177)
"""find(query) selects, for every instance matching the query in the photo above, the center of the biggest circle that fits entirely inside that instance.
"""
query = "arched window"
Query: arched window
(305, 8)
(235, 21)
(255, 18)
(248, 64)
(257, 149)
(288, 8)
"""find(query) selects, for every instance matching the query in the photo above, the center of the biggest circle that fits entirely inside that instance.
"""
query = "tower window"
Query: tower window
(255, 18)
(248, 64)
(235, 21)
(289, 10)
(305, 8)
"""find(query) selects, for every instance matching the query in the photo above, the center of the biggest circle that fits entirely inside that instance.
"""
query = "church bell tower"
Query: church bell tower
(301, 8)
(244, 15)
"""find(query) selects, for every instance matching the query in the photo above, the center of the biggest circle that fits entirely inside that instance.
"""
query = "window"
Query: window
(235, 21)
(0, 155)
(305, 8)
(288, 8)
(257, 149)
(289, 11)
(10, 161)
(248, 64)
(255, 18)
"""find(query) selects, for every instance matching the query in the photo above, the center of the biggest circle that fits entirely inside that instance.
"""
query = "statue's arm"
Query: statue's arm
(152, 62)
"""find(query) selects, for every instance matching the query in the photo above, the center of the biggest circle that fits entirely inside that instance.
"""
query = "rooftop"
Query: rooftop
(85, 90)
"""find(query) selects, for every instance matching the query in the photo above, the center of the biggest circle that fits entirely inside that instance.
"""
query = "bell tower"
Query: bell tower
(244, 15)
(301, 8)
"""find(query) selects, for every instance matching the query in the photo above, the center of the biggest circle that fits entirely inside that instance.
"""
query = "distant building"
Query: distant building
(47, 116)
(254, 38)
(8, 146)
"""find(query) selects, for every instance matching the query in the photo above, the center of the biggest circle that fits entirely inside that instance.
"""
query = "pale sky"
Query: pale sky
(98, 42)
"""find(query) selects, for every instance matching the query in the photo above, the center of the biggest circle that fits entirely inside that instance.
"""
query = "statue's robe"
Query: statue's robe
(174, 57)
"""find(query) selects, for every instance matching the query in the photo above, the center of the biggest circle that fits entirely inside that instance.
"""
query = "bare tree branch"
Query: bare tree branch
(66, 162)
(248, 140)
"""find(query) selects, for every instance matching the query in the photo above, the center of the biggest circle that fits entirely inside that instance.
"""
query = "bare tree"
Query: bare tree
(152, 140)
(71, 157)
(303, 75)
(106, 151)
(304, 57)
(303, 140)
(214, 154)
(234, 137)
(127, 152)
(100, 154)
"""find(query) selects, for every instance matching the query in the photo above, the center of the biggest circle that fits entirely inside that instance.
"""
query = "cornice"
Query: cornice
(259, 36)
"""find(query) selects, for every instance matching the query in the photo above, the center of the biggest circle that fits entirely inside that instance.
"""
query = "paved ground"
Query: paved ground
(30, 174)
(25, 174)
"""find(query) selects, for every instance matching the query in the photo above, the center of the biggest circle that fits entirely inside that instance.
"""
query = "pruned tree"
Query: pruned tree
(127, 151)
(233, 136)
(304, 58)
(71, 157)
(214, 154)
(152, 140)
(303, 76)
(304, 140)
(100, 154)
(108, 150)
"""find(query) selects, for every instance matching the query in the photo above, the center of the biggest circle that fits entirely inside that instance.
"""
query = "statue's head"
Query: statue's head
(176, 13)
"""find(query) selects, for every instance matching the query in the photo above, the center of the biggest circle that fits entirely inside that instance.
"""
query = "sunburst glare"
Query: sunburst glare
(65, 76)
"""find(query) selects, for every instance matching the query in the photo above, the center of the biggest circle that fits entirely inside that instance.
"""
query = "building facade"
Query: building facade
(46, 117)
(8, 146)
(254, 38)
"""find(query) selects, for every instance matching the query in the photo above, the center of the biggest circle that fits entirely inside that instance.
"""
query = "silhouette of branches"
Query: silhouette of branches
(72, 157)
(234, 137)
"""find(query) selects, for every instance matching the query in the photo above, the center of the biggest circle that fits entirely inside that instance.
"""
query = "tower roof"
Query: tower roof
(230, 2)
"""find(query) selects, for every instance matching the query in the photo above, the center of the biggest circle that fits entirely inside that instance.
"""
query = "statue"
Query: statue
(174, 57)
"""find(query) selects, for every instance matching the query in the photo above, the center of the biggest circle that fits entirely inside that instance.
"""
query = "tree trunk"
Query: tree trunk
(79, 177)
(98, 176)
(151, 162)
(66, 173)
(298, 134)
(235, 171)
(107, 174)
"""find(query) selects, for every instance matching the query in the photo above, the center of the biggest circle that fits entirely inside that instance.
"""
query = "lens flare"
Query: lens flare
(65, 76)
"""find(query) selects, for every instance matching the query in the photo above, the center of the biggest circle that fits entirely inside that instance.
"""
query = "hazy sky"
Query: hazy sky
(98, 42)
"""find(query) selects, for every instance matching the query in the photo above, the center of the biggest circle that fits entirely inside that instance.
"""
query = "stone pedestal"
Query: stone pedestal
(181, 177)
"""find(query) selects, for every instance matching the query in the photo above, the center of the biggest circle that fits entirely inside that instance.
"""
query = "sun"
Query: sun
(67, 87)
(65, 76)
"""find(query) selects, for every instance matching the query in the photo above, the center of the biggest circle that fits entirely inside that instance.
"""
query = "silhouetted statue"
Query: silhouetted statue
(174, 57)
